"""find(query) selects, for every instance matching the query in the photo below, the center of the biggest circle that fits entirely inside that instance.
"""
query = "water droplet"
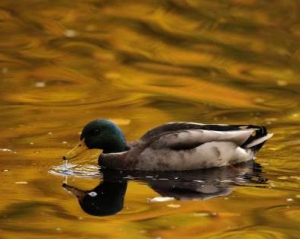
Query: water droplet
(40, 84)
(161, 199)
(174, 205)
(21, 182)
(5, 150)
(198, 181)
(70, 33)
(93, 194)
(66, 164)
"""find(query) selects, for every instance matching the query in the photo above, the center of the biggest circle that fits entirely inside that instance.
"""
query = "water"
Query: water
(141, 64)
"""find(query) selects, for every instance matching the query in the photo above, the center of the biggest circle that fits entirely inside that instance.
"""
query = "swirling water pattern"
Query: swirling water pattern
(143, 63)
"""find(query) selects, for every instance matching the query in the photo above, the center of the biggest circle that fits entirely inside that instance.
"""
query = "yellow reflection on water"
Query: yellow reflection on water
(142, 64)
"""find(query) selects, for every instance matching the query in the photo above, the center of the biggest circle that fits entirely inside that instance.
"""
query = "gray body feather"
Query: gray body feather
(189, 146)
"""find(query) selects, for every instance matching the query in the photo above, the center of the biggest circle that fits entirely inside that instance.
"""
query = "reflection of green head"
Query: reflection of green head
(104, 200)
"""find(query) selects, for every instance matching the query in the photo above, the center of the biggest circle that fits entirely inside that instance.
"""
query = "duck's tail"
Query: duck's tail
(257, 139)
(258, 143)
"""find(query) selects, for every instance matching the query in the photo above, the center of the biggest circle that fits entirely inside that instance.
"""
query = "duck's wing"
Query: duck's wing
(182, 136)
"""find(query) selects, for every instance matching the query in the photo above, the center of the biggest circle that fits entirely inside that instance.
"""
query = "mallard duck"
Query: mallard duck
(173, 146)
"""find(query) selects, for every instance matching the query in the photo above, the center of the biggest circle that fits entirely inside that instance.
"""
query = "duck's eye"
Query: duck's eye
(95, 132)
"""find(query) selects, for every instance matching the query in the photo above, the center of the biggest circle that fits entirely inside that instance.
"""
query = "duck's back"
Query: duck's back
(181, 130)
(187, 146)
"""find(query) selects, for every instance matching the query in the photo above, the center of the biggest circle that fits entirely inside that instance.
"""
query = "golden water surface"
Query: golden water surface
(144, 63)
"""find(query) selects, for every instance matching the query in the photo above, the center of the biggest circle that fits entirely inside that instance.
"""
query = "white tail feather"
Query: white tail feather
(259, 141)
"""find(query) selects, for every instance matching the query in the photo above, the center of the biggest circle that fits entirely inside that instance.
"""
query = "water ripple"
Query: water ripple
(82, 171)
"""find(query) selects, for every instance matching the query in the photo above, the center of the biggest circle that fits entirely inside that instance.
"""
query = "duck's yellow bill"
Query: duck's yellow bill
(77, 150)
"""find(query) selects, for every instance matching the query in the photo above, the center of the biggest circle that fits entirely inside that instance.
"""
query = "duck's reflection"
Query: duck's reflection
(105, 199)
(108, 197)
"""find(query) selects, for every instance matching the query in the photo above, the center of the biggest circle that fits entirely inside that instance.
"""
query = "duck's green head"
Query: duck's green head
(99, 134)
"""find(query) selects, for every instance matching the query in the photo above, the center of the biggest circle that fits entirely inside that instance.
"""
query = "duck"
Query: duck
(174, 146)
